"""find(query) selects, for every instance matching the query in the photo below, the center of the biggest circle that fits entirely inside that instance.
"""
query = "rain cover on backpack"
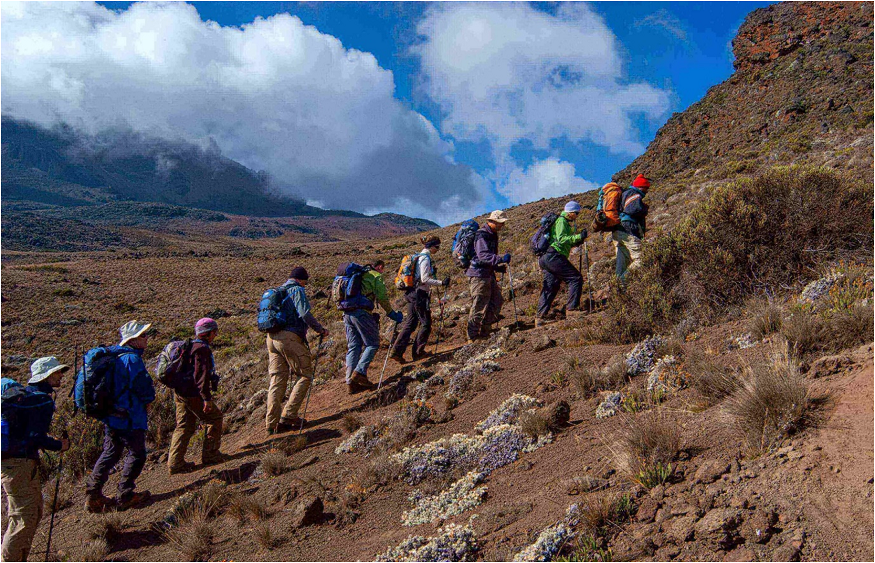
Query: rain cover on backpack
(543, 236)
(463, 243)
(346, 289)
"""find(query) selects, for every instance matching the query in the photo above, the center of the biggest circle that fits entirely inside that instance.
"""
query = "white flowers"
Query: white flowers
(459, 497)
(452, 543)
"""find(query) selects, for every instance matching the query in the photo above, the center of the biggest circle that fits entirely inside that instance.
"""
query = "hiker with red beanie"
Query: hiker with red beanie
(194, 403)
(633, 224)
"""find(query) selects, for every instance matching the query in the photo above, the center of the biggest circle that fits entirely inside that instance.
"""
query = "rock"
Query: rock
(719, 527)
(647, 510)
(829, 365)
(557, 415)
(710, 471)
(667, 552)
(758, 527)
(542, 343)
(741, 554)
(787, 552)
(680, 529)
(657, 493)
(307, 511)
(681, 509)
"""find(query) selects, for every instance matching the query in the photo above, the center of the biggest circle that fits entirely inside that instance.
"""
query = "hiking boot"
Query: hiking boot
(289, 424)
(186, 467)
(362, 381)
(418, 357)
(214, 459)
(541, 321)
(98, 504)
(271, 431)
(352, 388)
(133, 500)
(398, 358)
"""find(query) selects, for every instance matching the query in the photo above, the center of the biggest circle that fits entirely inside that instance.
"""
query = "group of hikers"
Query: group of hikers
(115, 387)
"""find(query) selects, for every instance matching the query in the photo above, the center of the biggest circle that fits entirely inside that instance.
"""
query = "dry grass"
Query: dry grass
(771, 403)
(265, 537)
(350, 423)
(765, 317)
(715, 378)
(242, 507)
(293, 445)
(379, 472)
(92, 550)
(192, 538)
(534, 424)
(646, 447)
(65, 494)
(671, 346)
(804, 331)
(850, 327)
(275, 462)
(109, 526)
(600, 513)
(589, 379)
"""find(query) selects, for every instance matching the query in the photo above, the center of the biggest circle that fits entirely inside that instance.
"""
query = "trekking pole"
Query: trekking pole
(307, 402)
(516, 320)
(388, 351)
(60, 469)
(588, 281)
(441, 323)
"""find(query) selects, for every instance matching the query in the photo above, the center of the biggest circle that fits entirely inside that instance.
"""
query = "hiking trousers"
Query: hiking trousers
(288, 357)
(190, 411)
(486, 303)
(418, 315)
(362, 341)
(628, 249)
(557, 269)
(114, 444)
(21, 483)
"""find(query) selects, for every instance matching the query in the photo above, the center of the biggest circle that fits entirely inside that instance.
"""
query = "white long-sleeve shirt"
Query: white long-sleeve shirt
(425, 272)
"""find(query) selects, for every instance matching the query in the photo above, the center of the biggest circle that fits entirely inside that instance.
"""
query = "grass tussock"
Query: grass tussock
(293, 445)
(714, 377)
(108, 526)
(804, 331)
(534, 424)
(379, 472)
(646, 448)
(92, 550)
(350, 423)
(275, 462)
(600, 514)
(192, 538)
(772, 402)
(265, 537)
(589, 379)
(244, 507)
(764, 317)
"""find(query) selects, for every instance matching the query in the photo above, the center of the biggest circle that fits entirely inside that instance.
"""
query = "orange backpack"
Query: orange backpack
(607, 215)
(406, 276)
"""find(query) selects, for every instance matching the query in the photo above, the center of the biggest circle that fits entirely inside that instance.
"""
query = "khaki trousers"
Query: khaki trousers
(24, 492)
(628, 249)
(486, 303)
(288, 356)
(190, 411)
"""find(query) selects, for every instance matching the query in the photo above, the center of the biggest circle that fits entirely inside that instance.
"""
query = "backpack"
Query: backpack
(346, 289)
(543, 236)
(174, 366)
(93, 391)
(406, 276)
(463, 243)
(25, 414)
(272, 316)
(607, 215)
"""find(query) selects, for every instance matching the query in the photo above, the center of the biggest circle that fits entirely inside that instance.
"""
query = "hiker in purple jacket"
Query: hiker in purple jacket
(486, 298)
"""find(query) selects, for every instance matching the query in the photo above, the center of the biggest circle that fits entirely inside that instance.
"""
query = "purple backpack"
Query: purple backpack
(174, 366)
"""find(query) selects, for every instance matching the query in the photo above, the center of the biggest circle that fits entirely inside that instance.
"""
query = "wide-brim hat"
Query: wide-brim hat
(497, 216)
(131, 330)
(42, 368)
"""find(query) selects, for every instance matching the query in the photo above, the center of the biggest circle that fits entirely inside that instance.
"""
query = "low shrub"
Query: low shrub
(765, 317)
(804, 330)
(646, 447)
(275, 462)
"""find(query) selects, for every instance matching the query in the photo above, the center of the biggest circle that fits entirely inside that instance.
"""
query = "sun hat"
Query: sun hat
(131, 330)
(42, 368)
(498, 216)
(572, 207)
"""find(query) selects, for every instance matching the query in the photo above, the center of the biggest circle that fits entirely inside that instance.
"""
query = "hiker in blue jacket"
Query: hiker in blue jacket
(27, 416)
(126, 429)
(628, 234)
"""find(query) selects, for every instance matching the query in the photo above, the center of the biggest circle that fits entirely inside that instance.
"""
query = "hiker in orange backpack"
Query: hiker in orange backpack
(632, 226)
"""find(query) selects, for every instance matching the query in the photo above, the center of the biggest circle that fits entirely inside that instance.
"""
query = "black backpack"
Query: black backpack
(26, 415)
(346, 289)
(463, 243)
(93, 392)
(543, 236)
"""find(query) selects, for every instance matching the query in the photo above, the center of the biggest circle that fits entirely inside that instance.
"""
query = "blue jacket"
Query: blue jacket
(633, 214)
(133, 390)
(298, 312)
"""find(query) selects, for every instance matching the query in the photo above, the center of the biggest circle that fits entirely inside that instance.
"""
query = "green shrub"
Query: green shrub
(750, 236)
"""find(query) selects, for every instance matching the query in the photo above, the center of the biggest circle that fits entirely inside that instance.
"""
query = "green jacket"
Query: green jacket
(374, 289)
(564, 237)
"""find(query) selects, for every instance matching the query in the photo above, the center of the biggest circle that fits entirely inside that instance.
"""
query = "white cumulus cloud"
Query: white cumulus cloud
(273, 94)
(505, 72)
(544, 178)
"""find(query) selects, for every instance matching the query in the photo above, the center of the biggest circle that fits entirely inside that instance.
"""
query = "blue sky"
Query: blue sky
(447, 110)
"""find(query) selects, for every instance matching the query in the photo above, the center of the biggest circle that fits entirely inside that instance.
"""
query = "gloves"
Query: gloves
(396, 316)
(506, 258)
(446, 282)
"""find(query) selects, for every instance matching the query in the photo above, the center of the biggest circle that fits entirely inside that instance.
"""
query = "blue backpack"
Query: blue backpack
(543, 236)
(93, 392)
(272, 315)
(346, 289)
(26, 414)
(463, 243)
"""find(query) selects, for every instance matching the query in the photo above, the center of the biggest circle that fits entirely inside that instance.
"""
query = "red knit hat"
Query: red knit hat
(641, 182)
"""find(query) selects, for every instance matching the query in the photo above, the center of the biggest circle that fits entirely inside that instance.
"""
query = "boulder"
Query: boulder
(710, 471)
(759, 527)
(307, 511)
(719, 527)
(681, 529)
(741, 554)
(647, 510)
(830, 365)
(542, 343)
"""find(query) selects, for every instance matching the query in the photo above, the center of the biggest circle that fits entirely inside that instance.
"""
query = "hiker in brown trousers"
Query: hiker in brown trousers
(194, 403)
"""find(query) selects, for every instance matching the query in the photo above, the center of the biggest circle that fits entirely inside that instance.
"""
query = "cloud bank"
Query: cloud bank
(274, 94)
(544, 179)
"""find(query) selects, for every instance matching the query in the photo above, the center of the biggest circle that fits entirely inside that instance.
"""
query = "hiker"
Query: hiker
(486, 298)
(418, 298)
(556, 266)
(363, 329)
(633, 223)
(289, 354)
(194, 403)
(126, 427)
(27, 416)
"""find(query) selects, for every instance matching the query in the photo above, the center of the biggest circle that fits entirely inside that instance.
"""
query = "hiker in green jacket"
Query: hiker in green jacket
(363, 330)
(556, 266)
